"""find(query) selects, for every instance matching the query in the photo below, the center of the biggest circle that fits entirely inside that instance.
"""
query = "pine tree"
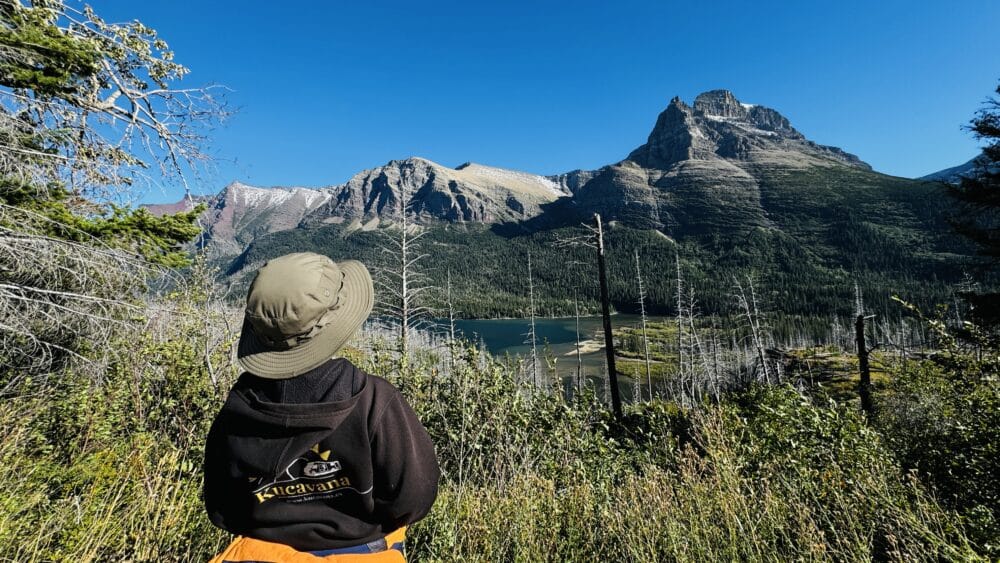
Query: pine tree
(87, 108)
(979, 197)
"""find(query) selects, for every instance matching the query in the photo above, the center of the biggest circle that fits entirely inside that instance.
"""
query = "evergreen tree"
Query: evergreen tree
(87, 109)
(979, 194)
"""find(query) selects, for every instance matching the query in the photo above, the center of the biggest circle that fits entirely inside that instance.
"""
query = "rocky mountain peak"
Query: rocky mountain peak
(719, 125)
(721, 103)
(432, 192)
(674, 138)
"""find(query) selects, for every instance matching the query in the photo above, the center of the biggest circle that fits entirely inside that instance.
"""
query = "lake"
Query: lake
(509, 336)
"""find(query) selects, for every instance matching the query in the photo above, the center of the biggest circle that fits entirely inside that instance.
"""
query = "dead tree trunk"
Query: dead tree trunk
(404, 302)
(609, 341)
(403, 280)
(451, 328)
(645, 337)
(680, 330)
(579, 356)
(865, 385)
(752, 313)
(531, 331)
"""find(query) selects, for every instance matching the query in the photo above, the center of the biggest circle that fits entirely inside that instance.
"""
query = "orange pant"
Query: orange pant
(247, 550)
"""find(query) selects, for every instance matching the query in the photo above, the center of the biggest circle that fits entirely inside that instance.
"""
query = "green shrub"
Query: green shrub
(943, 425)
(108, 468)
(735, 497)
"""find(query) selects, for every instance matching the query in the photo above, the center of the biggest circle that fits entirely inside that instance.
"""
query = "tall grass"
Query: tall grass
(137, 500)
(104, 465)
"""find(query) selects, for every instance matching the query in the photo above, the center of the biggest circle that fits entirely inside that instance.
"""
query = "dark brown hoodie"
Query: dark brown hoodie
(328, 459)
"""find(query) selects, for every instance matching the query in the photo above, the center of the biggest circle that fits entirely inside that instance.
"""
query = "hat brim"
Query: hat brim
(356, 304)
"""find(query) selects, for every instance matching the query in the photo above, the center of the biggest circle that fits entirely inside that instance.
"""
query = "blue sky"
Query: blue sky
(328, 88)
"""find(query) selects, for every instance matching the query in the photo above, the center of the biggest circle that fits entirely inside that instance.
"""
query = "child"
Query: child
(310, 456)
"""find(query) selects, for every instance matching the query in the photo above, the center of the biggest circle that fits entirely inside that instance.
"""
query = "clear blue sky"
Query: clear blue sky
(327, 88)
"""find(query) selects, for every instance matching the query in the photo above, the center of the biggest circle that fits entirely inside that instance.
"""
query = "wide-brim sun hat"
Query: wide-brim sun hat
(302, 308)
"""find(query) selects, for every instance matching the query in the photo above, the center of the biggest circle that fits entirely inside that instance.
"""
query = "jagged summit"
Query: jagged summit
(721, 103)
(719, 125)
(702, 167)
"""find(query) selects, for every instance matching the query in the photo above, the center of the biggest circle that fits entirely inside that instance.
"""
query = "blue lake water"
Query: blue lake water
(556, 338)
(556, 346)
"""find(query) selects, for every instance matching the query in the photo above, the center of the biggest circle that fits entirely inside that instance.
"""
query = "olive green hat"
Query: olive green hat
(301, 309)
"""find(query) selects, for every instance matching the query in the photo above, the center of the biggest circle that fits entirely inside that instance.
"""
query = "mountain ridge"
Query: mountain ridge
(716, 149)
(954, 174)
(733, 184)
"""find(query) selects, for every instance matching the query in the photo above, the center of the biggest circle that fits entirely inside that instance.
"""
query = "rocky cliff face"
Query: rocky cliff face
(720, 126)
(470, 193)
(704, 167)
(701, 167)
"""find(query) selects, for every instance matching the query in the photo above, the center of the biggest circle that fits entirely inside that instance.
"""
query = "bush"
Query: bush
(942, 425)
(734, 493)
(109, 467)
(104, 462)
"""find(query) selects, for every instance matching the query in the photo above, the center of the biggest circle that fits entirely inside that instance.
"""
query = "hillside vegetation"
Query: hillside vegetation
(808, 266)
(103, 462)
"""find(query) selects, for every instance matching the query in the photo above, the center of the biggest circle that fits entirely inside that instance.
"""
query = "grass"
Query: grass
(108, 469)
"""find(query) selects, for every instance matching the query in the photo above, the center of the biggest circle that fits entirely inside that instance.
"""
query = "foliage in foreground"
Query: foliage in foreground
(104, 464)
(88, 110)
(940, 418)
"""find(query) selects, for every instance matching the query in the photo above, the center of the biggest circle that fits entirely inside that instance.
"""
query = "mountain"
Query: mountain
(469, 193)
(240, 213)
(702, 166)
(954, 174)
(726, 186)
(472, 192)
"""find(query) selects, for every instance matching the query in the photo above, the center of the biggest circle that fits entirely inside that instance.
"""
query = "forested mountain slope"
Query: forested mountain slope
(732, 187)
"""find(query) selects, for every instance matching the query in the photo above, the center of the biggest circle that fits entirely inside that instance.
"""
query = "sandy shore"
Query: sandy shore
(587, 347)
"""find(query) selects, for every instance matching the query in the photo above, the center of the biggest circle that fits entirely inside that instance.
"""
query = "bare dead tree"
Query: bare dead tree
(592, 239)
(532, 335)
(579, 356)
(122, 118)
(859, 303)
(451, 324)
(402, 280)
(645, 334)
(53, 292)
(863, 351)
(609, 340)
(679, 282)
(864, 369)
(746, 299)
(702, 376)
